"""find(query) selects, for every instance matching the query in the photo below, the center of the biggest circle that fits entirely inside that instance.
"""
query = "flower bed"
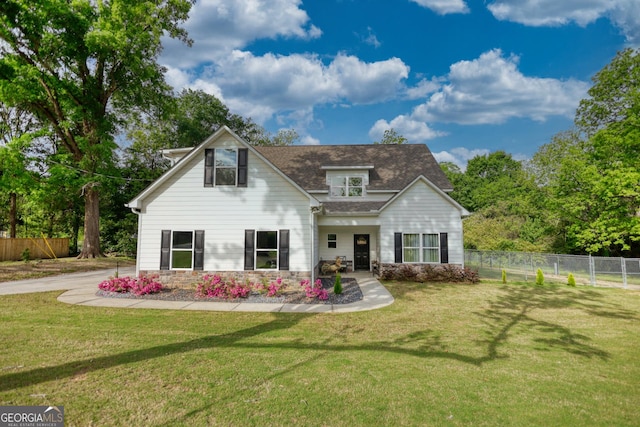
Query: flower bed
(259, 293)
(143, 285)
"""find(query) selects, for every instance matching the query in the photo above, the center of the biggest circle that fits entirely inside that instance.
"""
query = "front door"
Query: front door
(361, 252)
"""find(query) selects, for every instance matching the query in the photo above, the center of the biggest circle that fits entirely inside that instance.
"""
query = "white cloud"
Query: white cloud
(413, 130)
(309, 140)
(367, 82)
(460, 156)
(444, 7)
(219, 26)
(422, 89)
(491, 89)
(260, 86)
(625, 14)
(370, 38)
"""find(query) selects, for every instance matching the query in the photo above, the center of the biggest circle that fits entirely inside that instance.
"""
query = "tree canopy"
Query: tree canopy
(81, 67)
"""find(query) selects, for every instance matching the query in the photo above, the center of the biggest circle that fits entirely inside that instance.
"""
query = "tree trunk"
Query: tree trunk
(13, 214)
(91, 245)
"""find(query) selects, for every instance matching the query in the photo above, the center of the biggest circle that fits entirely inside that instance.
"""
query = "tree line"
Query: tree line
(579, 194)
(85, 111)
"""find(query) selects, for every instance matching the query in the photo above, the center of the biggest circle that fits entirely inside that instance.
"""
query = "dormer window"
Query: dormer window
(347, 181)
(225, 167)
(347, 186)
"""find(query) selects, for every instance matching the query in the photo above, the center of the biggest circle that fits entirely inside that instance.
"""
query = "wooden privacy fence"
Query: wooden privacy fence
(12, 249)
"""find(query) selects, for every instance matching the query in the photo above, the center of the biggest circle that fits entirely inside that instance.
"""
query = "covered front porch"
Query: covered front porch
(357, 246)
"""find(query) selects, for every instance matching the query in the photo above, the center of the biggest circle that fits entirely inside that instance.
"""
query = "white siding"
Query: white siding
(421, 210)
(269, 202)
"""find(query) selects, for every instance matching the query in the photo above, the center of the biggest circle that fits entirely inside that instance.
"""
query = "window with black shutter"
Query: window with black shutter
(165, 249)
(283, 253)
(249, 236)
(243, 160)
(444, 248)
(198, 253)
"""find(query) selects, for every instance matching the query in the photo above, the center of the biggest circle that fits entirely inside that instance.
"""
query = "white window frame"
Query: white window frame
(330, 240)
(346, 186)
(191, 250)
(276, 250)
(421, 248)
(216, 167)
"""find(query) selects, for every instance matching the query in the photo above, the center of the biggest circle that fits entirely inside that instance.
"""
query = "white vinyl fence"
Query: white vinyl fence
(589, 270)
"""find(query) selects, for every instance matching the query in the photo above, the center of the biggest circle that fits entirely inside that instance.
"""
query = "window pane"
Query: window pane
(267, 240)
(355, 182)
(430, 240)
(338, 191)
(226, 157)
(411, 240)
(411, 255)
(225, 176)
(430, 255)
(355, 191)
(181, 259)
(182, 239)
(331, 237)
(266, 259)
(338, 181)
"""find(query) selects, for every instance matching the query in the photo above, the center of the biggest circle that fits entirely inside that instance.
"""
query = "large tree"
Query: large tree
(592, 174)
(614, 96)
(81, 66)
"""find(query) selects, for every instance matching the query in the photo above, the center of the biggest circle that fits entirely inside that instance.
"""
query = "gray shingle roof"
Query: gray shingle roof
(395, 165)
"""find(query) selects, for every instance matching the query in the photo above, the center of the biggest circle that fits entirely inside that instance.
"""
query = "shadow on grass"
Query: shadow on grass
(509, 314)
(517, 305)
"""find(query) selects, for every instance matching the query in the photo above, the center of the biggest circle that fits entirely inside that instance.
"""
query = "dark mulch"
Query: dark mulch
(350, 293)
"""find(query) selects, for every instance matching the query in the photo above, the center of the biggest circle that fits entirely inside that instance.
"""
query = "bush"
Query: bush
(429, 273)
(571, 281)
(315, 290)
(539, 277)
(214, 286)
(337, 287)
(142, 285)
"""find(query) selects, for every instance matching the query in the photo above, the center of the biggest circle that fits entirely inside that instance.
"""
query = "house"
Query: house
(231, 208)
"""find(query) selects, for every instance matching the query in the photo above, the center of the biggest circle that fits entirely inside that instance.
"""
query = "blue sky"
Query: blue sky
(465, 77)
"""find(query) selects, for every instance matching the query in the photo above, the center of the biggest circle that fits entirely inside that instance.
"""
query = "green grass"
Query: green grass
(482, 355)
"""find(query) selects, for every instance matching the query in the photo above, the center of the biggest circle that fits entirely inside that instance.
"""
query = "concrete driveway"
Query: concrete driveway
(63, 282)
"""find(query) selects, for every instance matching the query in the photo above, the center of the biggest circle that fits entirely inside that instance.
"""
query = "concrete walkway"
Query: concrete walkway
(82, 287)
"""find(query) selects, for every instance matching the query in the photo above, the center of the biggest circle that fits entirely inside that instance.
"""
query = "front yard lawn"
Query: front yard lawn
(482, 355)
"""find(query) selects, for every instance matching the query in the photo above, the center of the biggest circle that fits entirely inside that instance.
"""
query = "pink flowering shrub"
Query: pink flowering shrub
(142, 285)
(214, 286)
(276, 288)
(315, 290)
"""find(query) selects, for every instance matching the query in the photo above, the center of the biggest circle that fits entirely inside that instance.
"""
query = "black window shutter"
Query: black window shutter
(165, 249)
(209, 161)
(397, 241)
(283, 253)
(444, 248)
(249, 236)
(243, 159)
(198, 253)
